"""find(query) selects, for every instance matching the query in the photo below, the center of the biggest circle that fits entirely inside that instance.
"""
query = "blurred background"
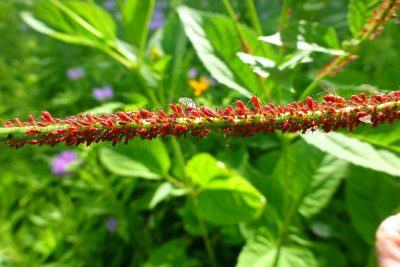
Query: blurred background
(141, 204)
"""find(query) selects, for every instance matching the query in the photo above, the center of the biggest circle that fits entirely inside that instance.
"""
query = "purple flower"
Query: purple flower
(75, 74)
(161, 5)
(109, 4)
(103, 93)
(158, 20)
(192, 73)
(111, 224)
(62, 161)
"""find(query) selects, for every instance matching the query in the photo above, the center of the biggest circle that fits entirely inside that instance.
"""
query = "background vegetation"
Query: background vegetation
(268, 200)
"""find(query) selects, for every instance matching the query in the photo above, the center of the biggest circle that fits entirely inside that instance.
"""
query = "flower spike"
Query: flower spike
(331, 114)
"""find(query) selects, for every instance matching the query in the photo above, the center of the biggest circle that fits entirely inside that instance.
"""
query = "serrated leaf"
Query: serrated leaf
(309, 183)
(209, 34)
(355, 151)
(260, 65)
(359, 13)
(306, 36)
(260, 251)
(122, 165)
(224, 197)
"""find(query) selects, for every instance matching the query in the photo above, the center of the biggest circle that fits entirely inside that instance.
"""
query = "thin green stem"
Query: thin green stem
(379, 20)
(207, 243)
(180, 159)
(145, 31)
(255, 21)
(333, 65)
(231, 12)
(284, 14)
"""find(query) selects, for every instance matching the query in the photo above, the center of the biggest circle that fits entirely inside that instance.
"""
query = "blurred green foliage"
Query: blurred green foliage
(268, 200)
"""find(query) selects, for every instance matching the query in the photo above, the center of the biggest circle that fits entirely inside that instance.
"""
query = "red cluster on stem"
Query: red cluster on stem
(380, 15)
(331, 114)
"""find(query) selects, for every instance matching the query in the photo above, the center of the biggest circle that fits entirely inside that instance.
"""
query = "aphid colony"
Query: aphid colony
(187, 118)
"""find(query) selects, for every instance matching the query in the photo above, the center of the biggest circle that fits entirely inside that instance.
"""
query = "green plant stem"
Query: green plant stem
(179, 157)
(207, 243)
(231, 12)
(337, 61)
(284, 14)
(334, 64)
(145, 32)
(255, 21)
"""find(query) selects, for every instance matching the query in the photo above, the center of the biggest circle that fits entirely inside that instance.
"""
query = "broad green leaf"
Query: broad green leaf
(325, 180)
(164, 191)
(355, 151)
(80, 23)
(223, 197)
(260, 251)
(259, 65)
(306, 36)
(216, 43)
(104, 108)
(170, 254)
(136, 19)
(359, 13)
(43, 28)
(120, 164)
(310, 183)
(370, 198)
(386, 135)
(94, 15)
(151, 153)
(171, 42)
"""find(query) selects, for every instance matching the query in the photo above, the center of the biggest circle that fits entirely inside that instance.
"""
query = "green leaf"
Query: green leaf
(170, 254)
(355, 151)
(164, 191)
(43, 28)
(216, 43)
(259, 65)
(260, 251)
(370, 198)
(385, 135)
(325, 180)
(359, 13)
(134, 19)
(104, 108)
(123, 165)
(151, 153)
(93, 16)
(312, 182)
(306, 36)
(223, 197)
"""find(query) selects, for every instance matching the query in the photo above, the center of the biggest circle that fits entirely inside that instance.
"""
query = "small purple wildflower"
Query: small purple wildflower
(110, 4)
(75, 73)
(62, 161)
(111, 224)
(192, 73)
(158, 20)
(161, 5)
(103, 93)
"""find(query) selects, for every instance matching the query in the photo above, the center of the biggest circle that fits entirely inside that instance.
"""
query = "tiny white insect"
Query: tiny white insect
(366, 119)
(187, 102)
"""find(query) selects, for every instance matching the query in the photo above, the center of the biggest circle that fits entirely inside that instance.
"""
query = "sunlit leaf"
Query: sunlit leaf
(217, 185)
(355, 151)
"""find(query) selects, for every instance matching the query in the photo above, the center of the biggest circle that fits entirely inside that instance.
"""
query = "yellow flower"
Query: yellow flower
(200, 86)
